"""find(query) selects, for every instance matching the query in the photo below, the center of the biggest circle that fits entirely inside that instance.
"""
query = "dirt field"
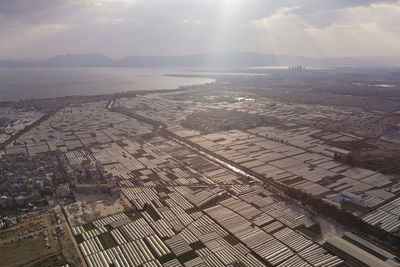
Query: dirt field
(51, 261)
(89, 207)
(392, 119)
(8, 234)
(25, 243)
(374, 156)
(221, 120)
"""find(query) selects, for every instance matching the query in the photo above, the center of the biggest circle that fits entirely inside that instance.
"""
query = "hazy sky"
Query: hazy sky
(117, 28)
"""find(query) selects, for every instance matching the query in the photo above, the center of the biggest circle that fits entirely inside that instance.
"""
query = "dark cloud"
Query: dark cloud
(28, 7)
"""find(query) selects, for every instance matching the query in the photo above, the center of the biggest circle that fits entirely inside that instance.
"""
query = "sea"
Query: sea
(33, 83)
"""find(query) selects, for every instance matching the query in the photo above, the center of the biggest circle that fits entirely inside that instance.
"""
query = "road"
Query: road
(68, 227)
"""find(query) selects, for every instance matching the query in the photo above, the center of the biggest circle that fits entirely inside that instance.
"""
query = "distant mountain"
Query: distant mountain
(69, 60)
(77, 60)
(230, 59)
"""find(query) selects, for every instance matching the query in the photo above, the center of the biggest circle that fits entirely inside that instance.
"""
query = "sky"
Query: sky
(119, 28)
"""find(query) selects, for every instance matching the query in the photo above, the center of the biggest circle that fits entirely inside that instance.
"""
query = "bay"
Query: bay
(30, 83)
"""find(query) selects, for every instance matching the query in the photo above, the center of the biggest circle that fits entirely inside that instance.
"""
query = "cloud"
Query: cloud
(56, 27)
(193, 21)
(169, 27)
(22, 37)
(107, 2)
(109, 20)
(19, 8)
(357, 31)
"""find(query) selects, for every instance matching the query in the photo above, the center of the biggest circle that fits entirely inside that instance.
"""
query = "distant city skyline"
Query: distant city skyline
(118, 28)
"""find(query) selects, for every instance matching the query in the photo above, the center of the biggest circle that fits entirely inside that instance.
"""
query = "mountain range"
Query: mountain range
(229, 59)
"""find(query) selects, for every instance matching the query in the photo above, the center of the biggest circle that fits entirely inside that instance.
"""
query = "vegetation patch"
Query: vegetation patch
(152, 212)
(187, 256)
(231, 240)
(135, 216)
(163, 189)
(197, 245)
(150, 248)
(107, 241)
(215, 201)
(192, 210)
(108, 227)
(164, 198)
(88, 227)
(79, 238)
(166, 258)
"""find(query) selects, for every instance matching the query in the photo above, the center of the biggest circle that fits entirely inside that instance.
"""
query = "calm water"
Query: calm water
(18, 84)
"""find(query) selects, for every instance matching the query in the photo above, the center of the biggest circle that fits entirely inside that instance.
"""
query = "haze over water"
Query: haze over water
(16, 84)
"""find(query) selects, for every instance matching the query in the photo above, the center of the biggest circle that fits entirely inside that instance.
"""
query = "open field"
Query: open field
(8, 234)
(54, 260)
(24, 243)
(26, 250)
(25, 227)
